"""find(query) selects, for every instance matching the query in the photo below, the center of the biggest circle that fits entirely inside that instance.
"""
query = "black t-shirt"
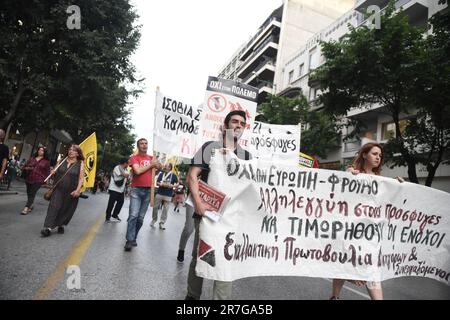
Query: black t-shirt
(203, 157)
(4, 153)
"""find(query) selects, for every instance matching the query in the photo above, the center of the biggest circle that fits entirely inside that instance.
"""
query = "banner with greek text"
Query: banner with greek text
(176, 126)
(274, 142)
(290, 221)
(223, 96)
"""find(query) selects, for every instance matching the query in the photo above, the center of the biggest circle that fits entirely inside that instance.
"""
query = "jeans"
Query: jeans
(114, 197)
(139, 201)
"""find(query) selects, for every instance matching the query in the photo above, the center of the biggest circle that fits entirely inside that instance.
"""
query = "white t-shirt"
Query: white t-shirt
(116, 175)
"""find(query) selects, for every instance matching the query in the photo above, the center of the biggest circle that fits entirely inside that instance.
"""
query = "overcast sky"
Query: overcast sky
(183, 42)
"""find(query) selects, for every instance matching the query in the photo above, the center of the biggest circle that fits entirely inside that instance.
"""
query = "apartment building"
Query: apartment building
(259, 61)
(294, 77)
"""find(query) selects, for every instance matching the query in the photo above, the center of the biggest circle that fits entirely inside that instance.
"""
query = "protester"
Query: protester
(4, 154)
(234, 125)
(165, 181)
(141, 165)
(37, 168)
(368, 160)
(13, 166)
(116, 190)
(69, 177)
(178, 197)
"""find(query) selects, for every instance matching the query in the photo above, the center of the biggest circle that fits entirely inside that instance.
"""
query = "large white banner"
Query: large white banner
(275, 143)
(283, 220)
(176, 126)
(223, 96)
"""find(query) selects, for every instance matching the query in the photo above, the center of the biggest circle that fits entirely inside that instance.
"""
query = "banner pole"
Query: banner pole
(55, 169)
(152, 189)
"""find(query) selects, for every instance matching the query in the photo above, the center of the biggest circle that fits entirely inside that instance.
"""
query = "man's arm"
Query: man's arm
(192, 182)
(137, 170)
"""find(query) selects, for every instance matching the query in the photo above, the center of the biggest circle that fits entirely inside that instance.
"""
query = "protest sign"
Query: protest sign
(321, 223)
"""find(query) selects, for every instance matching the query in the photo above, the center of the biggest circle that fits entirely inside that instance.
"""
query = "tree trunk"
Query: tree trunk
(412, 174)
(431, 172)
(12, 111)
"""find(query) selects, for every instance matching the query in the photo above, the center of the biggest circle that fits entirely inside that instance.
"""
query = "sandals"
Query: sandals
(25, 211)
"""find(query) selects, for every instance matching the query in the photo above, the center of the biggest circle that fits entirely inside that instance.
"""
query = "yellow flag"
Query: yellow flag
(89, 148)
(174, 162)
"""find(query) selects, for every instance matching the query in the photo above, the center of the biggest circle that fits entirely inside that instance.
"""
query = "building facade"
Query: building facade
(295, 73)
(259, 61)
(280, 56)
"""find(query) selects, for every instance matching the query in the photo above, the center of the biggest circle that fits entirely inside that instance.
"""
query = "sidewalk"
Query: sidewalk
(17, 186)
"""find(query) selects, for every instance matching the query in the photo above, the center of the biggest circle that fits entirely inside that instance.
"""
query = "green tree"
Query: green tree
(322, 131)
(77, 80)
(389, 66)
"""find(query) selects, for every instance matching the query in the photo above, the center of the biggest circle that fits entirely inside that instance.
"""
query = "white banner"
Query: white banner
(176, 126)
(319, 223)
(275, 143)
(223, 96)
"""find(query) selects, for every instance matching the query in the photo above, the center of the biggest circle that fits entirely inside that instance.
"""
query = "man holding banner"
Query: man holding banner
(141, 165)
(234, 125)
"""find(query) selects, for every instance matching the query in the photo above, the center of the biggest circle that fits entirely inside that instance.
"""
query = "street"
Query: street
(33, 267)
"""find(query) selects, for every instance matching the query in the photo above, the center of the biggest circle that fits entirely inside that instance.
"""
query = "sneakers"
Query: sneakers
(152, 224)
(46, 232)
(161, 226)
(134, 243)
(128, 246)
(61, 230)
(115, 219)
(180, 256)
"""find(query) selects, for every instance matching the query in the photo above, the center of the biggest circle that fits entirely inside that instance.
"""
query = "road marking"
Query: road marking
(353, 290)
(74, 258)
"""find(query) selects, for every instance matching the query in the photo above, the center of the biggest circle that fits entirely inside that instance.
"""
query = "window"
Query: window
(388, 129)
(291, 76)
(313, 61)
(301, 69)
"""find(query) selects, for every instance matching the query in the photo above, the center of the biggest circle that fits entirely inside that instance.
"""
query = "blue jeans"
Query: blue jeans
(139, 201)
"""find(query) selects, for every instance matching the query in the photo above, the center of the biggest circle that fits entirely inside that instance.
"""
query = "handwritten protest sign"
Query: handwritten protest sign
(176, 126)
(223, 96)
(320, 223)
(274, 142)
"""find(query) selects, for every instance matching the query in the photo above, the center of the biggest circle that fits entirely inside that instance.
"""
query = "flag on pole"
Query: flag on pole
(89, 148)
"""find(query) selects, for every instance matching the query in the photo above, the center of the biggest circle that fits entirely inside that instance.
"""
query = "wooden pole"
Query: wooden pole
(55, 169)
(152, 189)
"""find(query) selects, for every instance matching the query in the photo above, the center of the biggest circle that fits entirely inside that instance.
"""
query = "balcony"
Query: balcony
(267, 50)
(264, 71)
(361, 5)
(265, 29)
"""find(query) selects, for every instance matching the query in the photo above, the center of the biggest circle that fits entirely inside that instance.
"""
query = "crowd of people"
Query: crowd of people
(137, 174)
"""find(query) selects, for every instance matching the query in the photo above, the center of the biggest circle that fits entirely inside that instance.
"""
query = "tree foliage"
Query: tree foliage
(53, 77)
(399, 69)
(321, 133)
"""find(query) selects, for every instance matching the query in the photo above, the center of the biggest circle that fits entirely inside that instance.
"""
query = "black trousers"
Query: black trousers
(32, 189)
(114, 198)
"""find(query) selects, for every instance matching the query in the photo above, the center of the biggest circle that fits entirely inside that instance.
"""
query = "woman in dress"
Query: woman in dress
(368, 160)
(37, 169)
(68, 179)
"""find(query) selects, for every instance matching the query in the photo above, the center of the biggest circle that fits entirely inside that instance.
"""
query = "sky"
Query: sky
(184, 42)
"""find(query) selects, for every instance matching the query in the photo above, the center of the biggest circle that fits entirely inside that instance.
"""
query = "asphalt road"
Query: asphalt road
(32, 267)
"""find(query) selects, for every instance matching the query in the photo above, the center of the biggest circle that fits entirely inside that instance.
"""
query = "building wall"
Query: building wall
(302, 19)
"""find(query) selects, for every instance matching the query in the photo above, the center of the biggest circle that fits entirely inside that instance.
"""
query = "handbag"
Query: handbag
(119, 183)
(48, 194)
